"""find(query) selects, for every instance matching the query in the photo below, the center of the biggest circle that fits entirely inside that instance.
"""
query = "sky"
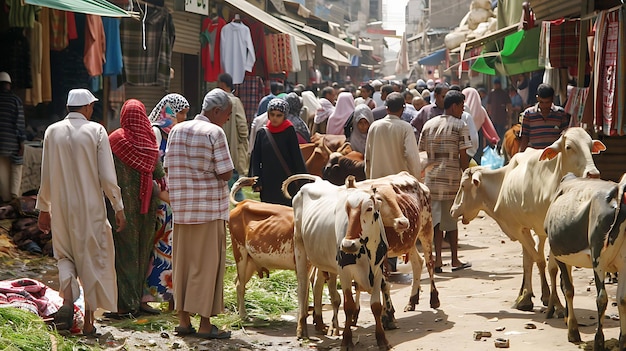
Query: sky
(393, 18)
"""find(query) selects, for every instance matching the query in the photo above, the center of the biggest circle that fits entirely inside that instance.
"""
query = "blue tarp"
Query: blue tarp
(433, 59)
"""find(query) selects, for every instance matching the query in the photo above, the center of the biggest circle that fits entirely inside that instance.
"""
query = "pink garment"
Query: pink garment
(95, 45)
(343, 109)
(479, 115)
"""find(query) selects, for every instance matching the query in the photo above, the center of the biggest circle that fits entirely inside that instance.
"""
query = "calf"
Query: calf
(517, 197)
(339, 167)
(585, 225)
(339, 230)
(510, 145)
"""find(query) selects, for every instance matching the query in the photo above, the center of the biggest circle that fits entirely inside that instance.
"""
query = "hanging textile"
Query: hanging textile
(621, 73)
(46, 82)
(33, 95)
(564, 43)
(147, 46)
(58, 30)
(20, 14)
(295, 55)
(544, 45)
(236, 50)
(210, 41)
(257, 31)
(113, 63)
(95, 45)
(606, 63)
(279, 55)
(250, 92)
(575, 105)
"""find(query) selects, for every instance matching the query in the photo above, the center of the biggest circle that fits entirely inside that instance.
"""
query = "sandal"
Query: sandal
(463, 266)
(64, 318)
(92, 334)
(438, 270)
(181, 331)
(214, 334)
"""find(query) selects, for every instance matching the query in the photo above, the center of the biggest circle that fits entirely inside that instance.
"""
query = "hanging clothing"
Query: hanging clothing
(95, 45)
(113, 50)
(575, 105)
(33, 95)
(148, 53)
(46, 80)
(295, 55)
(210, 53)
(20, 14)
(250, 92)
(279, 55)
(236, 50)
(621, 73)
(257, 31)
(72, 28)
(58, 30)
(606, 63)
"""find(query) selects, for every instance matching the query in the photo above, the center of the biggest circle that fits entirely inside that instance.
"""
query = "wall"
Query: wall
(447, 13)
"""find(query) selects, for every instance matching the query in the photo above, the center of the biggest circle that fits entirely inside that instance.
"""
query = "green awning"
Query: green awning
(91, 7)
(519, 54)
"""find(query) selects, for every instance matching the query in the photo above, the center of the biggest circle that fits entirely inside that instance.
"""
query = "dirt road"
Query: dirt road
(475, 299)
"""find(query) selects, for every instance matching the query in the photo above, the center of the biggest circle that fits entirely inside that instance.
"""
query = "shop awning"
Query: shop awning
(330, 53)
(433, 59)
(519, 54)
(91, 7)
(339, 44)
(270, 21)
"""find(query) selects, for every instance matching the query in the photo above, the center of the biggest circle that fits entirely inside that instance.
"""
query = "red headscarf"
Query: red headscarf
(135, 145)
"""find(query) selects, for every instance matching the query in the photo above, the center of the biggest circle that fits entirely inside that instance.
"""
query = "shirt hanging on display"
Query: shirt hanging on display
(113, 64)
(210, 41)
(236, 50)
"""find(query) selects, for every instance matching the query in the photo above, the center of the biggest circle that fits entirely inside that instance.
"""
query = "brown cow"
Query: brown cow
(510, 145)
(316, 154)
(340, 166)
(262, 240)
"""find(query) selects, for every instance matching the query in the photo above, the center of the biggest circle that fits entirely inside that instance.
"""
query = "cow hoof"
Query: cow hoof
(523, 303)
(389, 324)
(574, 337)
(434, 299)
(385, 347)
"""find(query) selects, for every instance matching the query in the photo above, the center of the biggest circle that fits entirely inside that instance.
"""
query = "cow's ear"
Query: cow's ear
(597, 146)
(476, 178)
(549, 153)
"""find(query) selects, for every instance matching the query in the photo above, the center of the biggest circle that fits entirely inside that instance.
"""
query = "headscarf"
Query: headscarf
(278, 105)
(295, 105)
(357, 139)
(326, 109)
(135, 145)
(281, 106)
(163, 115)
(479, 114)
(343, 110)
(309, 100)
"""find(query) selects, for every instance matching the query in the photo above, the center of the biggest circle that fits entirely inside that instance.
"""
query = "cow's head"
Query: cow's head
(390, 210)
(576, 148)
(362, 208)
(467, 202)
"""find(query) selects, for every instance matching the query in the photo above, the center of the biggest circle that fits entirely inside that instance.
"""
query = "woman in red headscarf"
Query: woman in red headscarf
(137, 165)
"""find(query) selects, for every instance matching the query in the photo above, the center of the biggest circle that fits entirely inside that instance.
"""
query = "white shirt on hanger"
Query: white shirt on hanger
(236, 50)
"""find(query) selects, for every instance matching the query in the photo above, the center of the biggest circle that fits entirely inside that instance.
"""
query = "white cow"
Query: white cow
(339, 230)
(517, 197)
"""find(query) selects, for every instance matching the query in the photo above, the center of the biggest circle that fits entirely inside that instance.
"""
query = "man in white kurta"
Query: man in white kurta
(391, 146)
(77, 167)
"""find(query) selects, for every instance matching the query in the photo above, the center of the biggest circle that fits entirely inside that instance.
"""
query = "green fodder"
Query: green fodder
(22, 330)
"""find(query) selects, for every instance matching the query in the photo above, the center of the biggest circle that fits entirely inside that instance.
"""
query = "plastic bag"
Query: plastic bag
(491, 158)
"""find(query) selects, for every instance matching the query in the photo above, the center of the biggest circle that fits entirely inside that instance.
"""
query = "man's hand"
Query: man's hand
(120, 220)
(44, 222)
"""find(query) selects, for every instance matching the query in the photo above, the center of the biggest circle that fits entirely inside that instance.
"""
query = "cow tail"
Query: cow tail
(296, 177)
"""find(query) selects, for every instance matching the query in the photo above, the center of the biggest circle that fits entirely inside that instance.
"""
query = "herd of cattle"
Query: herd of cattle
(349, 230)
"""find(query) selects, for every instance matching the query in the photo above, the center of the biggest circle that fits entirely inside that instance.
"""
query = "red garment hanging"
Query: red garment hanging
(210, 52)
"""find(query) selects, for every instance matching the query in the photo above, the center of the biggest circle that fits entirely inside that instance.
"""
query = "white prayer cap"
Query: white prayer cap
(80, 97)
(5, 77)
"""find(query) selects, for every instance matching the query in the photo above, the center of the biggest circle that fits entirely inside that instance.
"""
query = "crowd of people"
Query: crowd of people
(166, 177)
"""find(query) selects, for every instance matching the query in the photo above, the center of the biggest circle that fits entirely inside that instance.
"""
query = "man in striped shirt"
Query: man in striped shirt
(543, 123)
(445, 139)
(12, 138)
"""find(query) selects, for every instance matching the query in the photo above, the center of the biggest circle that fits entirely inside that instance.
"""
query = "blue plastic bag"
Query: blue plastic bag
(491, 158)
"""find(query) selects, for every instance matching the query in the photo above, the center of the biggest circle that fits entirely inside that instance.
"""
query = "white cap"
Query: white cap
(80, 97)
(430, 84)
(5, 77)
(376, 84)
